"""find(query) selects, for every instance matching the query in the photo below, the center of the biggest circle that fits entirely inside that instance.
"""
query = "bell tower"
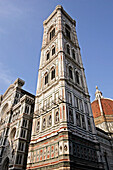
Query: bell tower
(63, 133)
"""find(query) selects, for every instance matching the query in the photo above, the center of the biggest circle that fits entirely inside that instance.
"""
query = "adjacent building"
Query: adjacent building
(63, 132)
(103, 117)
(16, 113)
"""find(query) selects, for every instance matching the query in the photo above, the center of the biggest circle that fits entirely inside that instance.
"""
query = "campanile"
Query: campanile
(63, 133)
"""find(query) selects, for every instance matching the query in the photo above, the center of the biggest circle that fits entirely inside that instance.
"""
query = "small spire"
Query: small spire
(98, 94)
(96, 87)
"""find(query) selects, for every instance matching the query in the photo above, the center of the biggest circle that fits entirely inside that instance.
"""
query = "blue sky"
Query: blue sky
(21, 31)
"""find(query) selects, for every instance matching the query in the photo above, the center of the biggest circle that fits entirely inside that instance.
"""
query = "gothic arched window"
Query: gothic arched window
(78, 119)
(52, 73)
(89, 124)
(52, 33)
(44, 123)
(12, 134)
(83, 122)
(77, 77)
(57, 117)
(53, 50)
(70, 72)
(67, 30)
(68, 49)
(38, 125)
(73, 53)
(27, 109)
(50, 120)
(46, 78)
(71, 116)
(82, 84)
(47, 55)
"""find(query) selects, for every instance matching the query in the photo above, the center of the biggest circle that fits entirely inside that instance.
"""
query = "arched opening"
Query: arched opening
(57, 117)
(46, 78)
(70, 72)
(52, 73)
(47, 55)
(12, 134)
(77, 77)
(73, 53)
(38, 125)
(67, 30)
(5, 164)
(5, 109)
(52, 33)
(68, 49)
(53, 50)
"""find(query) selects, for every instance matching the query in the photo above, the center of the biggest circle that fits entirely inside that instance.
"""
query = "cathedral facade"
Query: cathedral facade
(16, 114)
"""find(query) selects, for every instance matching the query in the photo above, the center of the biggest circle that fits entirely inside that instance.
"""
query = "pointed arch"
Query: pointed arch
(77, 77)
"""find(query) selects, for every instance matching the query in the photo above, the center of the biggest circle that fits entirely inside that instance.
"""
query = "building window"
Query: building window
(44, 123)
(76, 102)
(38, 125)
(70, 72)
(67, 30)
(53, 50)
(48, 54)
(68, 49)
(77, 77)
(89, 124)
(15, 101)
(52, 33)
(83, 122)
(23, 133)
(73, 53)
(71, 116)
(49, 120)
(24, 123)
(81, 105)
(57, 117)
(19, 159)
(17, 95)
(82, 84)
(27, 109)
(78, 119)
(53, 74)
(69, 98)
(86, 108)
(13, 133)
(21, 146)
(46, 79)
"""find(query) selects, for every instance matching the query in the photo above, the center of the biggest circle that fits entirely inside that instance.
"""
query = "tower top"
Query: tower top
(98, 94)
(59, 7)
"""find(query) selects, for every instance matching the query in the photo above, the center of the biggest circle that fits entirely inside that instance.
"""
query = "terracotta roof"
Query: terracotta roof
(95, 108)
(107, 106)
